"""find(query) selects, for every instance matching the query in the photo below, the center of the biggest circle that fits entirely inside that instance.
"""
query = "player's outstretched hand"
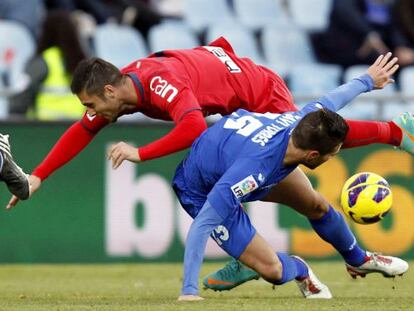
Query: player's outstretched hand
(382, 70)
(34, 184)
(120, 152)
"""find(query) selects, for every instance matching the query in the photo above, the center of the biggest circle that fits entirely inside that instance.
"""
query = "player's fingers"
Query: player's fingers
(378, 60)
(391, 63)
(115, 158)
(393, 69)
(385, 59)
(110, 151)
(119, 162)
(13, 201)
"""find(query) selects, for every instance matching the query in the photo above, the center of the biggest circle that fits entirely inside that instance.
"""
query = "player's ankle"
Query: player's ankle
(396, 134)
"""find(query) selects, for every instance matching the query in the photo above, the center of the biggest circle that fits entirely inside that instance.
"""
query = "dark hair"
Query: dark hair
(321, 130)
(59, 30)
(91, 75)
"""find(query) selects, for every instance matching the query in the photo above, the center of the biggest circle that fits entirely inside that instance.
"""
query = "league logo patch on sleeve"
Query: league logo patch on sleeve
(244, 187)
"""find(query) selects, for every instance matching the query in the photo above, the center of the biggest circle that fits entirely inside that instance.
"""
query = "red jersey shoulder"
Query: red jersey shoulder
(131, 67)
(165, 86)
(171, 93)
(222, 43)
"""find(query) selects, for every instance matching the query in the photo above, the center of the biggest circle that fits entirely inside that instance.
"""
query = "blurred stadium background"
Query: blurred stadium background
(88, 213)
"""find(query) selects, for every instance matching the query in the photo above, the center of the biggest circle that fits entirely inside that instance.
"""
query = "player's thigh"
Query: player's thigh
(238, 237)
(190, 201)
(297, 192)
(235, 233)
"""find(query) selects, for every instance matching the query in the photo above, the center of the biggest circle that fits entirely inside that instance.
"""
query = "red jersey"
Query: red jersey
(177, 84)
(209, 78)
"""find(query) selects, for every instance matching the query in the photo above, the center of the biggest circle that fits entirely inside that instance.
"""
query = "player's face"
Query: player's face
(314, 158)
(107, 106)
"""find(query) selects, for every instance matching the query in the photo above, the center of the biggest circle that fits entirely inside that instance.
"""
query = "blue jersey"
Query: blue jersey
(241, 157)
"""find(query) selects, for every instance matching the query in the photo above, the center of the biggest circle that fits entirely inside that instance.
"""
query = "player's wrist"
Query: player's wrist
(139, 157)
(38, 173)
(368, 81)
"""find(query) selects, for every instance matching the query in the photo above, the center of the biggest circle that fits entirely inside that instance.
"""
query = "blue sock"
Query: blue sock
(333, 229)
(292, 268)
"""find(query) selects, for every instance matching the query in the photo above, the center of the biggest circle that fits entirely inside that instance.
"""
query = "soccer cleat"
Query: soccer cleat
(232, 275)
(15, 179)
(405, 122)
(311, 287)
(388, 266)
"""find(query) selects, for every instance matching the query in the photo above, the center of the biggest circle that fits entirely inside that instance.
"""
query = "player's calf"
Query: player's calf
(16, 180)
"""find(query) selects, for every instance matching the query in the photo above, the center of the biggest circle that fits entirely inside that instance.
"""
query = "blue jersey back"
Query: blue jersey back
(243, 135)
(240, 157)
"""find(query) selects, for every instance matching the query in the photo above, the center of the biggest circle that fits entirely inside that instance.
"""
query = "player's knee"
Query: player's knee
(271, 272)
(318, 207)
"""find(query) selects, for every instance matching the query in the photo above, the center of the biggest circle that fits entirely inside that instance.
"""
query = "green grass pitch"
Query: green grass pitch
(156, 287)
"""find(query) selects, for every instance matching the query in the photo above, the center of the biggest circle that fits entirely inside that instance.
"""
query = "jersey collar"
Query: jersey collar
(139, 89)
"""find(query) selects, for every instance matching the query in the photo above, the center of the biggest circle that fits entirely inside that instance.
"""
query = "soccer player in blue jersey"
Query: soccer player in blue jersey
(248, 156)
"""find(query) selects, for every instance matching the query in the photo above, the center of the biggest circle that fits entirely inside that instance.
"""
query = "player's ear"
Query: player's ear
(109, 91)
(312, 155)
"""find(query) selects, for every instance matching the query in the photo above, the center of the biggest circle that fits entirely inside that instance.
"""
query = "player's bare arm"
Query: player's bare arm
(382, 70)
(122, 151)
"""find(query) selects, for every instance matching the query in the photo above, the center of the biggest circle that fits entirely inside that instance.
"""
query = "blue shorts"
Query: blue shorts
(236, 231)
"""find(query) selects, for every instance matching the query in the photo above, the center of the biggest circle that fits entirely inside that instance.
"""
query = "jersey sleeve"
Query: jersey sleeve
(70, 144)
(172, 95)
(239, 182)
(342, 95)
(191, 125)
(93, 124)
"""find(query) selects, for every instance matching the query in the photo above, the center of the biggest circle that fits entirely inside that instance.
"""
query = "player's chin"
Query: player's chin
(111, 119)
(311, 166)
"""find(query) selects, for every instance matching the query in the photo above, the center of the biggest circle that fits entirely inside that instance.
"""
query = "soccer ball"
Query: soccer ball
(366, 198)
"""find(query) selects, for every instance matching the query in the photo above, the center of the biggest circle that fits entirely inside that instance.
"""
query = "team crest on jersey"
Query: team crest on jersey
(244, 187)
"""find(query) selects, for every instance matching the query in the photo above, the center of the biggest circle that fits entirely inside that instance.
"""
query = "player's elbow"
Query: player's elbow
(201, 127)
(195, 122)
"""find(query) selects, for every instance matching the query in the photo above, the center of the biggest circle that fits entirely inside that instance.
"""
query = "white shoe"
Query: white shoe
(387, 265)
(15, 179)
(311, 287)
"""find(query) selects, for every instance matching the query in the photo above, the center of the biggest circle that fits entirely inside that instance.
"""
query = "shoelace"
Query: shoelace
(380, 260)
(232, 266)
(312, 287)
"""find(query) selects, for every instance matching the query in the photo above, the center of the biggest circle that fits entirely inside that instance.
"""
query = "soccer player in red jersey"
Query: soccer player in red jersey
(184, 86)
